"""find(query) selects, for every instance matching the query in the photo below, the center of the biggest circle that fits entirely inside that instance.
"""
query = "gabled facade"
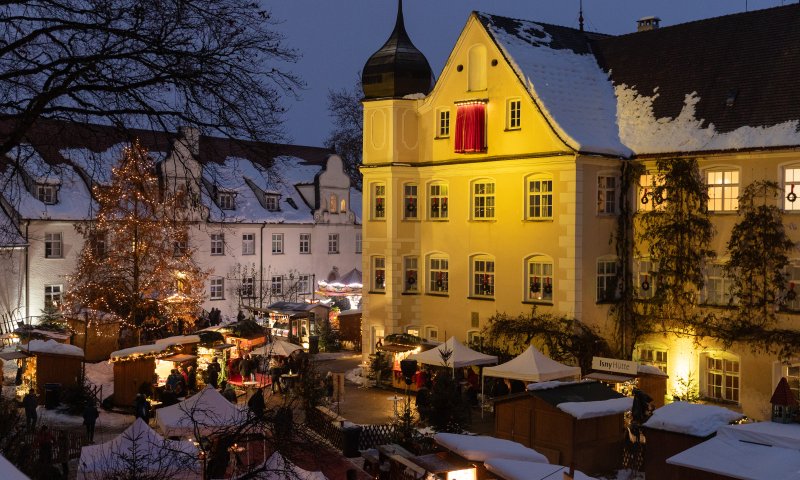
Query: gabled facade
(267, 221)
(499, 189)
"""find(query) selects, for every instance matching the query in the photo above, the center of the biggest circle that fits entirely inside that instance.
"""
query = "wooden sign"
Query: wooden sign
(338, 387)
(615, 365)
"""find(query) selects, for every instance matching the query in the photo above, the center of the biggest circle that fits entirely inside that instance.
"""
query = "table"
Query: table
(289, 380)
(395, 399)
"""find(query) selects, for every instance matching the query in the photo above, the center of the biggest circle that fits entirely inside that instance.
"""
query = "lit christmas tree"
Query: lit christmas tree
(135, 261)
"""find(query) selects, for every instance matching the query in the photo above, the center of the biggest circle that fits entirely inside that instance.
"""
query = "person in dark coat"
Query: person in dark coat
(501, 388)
(423, 401)
(90, 415)
(142, 408)
(228, 392)
(30, 402)
(213, 372)
(191, 382)
(168, 397)
(256, 403)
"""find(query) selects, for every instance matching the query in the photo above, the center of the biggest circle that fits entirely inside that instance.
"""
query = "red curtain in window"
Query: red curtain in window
(471, 128)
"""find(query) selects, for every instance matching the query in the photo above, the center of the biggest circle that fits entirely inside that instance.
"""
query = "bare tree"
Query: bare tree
(344, 106)
(218, 65)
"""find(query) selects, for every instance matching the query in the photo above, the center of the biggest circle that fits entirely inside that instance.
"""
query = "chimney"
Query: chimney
(647, 23)
(191, 138)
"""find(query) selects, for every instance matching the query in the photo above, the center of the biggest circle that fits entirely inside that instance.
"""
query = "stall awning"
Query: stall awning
(182, 357)
(395, 348)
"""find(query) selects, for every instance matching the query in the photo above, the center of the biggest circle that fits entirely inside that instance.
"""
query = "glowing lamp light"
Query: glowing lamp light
(465, 474)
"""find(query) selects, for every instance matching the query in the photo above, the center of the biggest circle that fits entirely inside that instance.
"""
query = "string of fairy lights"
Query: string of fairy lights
(131, 264)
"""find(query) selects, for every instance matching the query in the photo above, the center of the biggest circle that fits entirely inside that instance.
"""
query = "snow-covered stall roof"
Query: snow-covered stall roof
(691, 418)
(207, 408)
(571, 89)
(532, 366)
(277, 467)
(480, 448)
(461, 355)
(52, 347)
(153, 454)
(9, 472)
(141, 350)
(522, 470)
(179, 339)
(759, 451)
(597, 408)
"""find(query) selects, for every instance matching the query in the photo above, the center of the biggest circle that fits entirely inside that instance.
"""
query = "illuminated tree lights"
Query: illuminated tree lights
(135, 262)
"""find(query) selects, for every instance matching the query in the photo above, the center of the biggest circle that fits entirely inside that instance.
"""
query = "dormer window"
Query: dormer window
(46, 193)
(226, 201)
(271, 202)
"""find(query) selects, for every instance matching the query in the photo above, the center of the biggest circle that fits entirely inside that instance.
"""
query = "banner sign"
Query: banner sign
(615, 365)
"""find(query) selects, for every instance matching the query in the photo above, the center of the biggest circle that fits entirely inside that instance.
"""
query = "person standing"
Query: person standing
(275, 371)
(30, 402)
(256, 403)
(213, 371)
(90, 415)
(142, 407)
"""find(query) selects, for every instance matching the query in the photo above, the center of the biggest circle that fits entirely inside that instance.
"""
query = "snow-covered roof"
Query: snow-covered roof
(522, 470)
(9, 472)
(691, 418)
(144, 350)
(598, 408)
(206, 411)
(565, 81)
(480, 448)
(53, 347)
(179, 339)
(98, 165)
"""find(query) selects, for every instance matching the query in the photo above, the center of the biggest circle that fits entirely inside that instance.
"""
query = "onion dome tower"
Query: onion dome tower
(398, 68)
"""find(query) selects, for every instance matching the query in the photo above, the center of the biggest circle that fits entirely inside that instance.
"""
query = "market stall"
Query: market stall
(206, 411)
(49, 366)
(296, 321)
(399, 347)
(625, 375)
(460, 355)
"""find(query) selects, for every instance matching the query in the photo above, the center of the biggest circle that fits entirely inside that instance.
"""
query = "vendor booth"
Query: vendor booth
(460, 356)
(296, 321)
(580, 424)
(625, 375)
(207, 410)
(49, 367)
(399, 347)
(532, 366)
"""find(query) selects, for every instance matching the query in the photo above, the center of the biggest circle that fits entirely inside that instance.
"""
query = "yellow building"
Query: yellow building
(497, 187)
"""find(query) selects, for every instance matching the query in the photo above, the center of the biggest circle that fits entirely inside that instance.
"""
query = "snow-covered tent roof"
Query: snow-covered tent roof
(9, 472)
(155, 455)
(522, 470)
(480, 448)
(207, 408)
(691, 418)
(532, 366)
(179, 340)
(461, 355)
(52, 347)
(758, 451)
(277, 467)
(278, 347)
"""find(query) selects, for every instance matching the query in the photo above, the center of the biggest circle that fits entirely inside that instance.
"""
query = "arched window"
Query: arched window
(540, 281)
(482, 284)
(477, 68)
(343, 205)
(332, 203)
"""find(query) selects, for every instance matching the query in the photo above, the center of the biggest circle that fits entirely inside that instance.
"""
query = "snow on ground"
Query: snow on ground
(101, 374)
(356, 376)
(107, 420)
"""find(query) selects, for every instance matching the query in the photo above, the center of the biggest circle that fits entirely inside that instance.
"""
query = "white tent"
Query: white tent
(9, 472)
(532, 366)
(461, 355)
(278, 347)
(141, 449)
(207, 408)
(278, 468)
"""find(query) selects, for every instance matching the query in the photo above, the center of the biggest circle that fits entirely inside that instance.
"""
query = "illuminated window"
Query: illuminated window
(607, 285)
(52, 295)
(483, 277)
(305, 243)
(343, 205)
(652, 355)
(438, 201)
(217, 288)
(225, 200)
(483, 200)
(248, 244)
(650, 196)
(717, 288)
(53, 245)
(470, 128)
(410, 201)
(514, 114)
(606, 194)
(791, 186)
(379, 202)
(277, 243)
(443, 123)
(438, 281)
(333, 243)
(46, 194)
(378, 273)
(540, 198)
(540, 279)
(723, 190)
(474, 338)
(720, 372)
(248, 287)
(411, 274)
(646, 275)
(217, 244)
(412, 330)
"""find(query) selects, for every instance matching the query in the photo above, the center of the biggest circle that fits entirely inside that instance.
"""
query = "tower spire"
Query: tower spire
(580, 15)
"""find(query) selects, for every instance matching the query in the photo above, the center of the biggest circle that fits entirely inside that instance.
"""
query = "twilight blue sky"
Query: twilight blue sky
(336, 37)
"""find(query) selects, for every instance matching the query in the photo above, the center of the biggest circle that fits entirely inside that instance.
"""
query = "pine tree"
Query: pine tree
(135, 261)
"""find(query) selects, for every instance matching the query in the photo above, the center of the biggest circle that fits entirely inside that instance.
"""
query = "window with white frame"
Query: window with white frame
(358, 242)
(723, 190)
(483, 276)
(271, 202)
(225, 200)
(483, 200)
(791, 187)
(304, 284)
(720, 375)
(333, 243)
(607, 284)
(217, 288)
(514, 114)
(378, 273)
(438, 277)
(606, 194)
(217, 244)
(248, 244)
(717, 288)
(46, 193)
(648, 198)
(379, 201)
(431, 333)
(277, 243)
(410, 201)
(540, 279)
(411, 274)
(53, 245)
(793, 377)
(180, 246)
(645, 273)
(443, 123)
(276, 285)
(437, 199)
(539, 198)
(248, 287)
(52, 295)
(651, 355)
(305, 243)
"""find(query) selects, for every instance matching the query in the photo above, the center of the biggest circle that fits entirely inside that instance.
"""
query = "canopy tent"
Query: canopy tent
(277, 467)
(532, 366)
(9, 472)
(208, 409)
(141, 450)
(461, 355)
(277, 347)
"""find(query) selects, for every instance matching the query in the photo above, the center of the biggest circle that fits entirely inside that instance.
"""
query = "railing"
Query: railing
(374, 435)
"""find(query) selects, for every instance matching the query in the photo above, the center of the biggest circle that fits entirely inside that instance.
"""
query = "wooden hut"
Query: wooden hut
(350, 329)
(575, 424)
(96, 332)
(50, 362)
